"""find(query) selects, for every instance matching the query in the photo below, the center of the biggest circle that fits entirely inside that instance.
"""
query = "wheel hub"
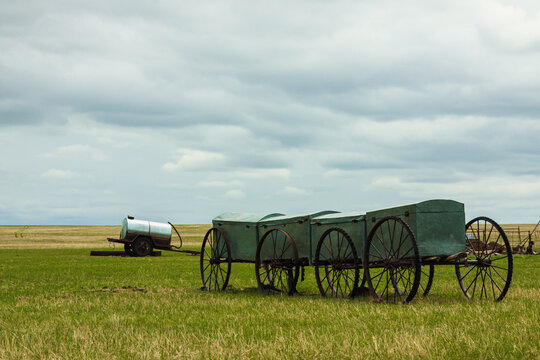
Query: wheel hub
(483, 262)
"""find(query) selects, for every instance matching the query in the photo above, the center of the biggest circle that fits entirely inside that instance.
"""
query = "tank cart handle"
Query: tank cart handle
(177, 233)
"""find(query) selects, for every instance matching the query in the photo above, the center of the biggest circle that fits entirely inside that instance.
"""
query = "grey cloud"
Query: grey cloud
(328, 98)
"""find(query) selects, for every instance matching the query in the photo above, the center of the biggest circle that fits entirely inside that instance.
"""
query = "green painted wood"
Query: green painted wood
(353, 223)
(242, 232)
(298, 226)
(438, 225)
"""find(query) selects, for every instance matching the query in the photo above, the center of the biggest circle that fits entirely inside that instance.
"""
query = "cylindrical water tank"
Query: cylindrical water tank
(131, 228)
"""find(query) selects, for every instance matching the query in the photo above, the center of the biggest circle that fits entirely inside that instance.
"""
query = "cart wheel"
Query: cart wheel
(426, 278)
(391, 261)
(488, 267)
(276, 263)
(336, 264)
(142, 246)
(215, 260)
(128, 249)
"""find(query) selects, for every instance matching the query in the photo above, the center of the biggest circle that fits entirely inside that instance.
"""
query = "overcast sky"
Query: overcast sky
(179, 111)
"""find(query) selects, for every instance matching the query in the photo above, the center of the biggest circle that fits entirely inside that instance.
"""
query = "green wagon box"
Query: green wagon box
(298, 227)
(242, 232)
(436, 224)
(353, 223)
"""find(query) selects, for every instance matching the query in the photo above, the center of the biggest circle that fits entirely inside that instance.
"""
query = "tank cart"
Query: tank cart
(141, 237)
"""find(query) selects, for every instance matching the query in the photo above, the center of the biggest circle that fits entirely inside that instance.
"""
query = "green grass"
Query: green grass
(64, 304)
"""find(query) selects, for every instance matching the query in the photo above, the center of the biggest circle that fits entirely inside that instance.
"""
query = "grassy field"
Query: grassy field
(57, 302)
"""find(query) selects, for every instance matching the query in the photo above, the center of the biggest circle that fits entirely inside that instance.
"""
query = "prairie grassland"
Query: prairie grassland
(63, 304)
(80, 236)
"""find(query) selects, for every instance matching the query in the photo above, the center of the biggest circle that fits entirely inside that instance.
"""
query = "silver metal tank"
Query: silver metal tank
(131, 228)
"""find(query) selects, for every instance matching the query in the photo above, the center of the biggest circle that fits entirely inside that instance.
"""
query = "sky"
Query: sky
(179, 110)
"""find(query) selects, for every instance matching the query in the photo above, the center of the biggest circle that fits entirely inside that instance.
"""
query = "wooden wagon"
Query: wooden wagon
(392, 252)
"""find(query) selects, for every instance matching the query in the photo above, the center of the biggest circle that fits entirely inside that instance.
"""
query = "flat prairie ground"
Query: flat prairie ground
(57, 302)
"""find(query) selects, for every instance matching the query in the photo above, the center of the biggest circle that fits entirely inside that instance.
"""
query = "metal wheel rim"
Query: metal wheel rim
(280, 272)
(391, 261)
(141, 247)
(215, 260)
(484, 263)
(336, 268)
(426, 279)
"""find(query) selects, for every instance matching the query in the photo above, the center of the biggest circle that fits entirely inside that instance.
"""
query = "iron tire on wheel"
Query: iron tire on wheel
(276, 263)
(142, 246)
(391, 259)
(426, 279)
(335, 261)
(494, 266)
(215, 260)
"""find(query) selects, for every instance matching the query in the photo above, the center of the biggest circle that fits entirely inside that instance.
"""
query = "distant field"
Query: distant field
(57, 302)
(62, 236)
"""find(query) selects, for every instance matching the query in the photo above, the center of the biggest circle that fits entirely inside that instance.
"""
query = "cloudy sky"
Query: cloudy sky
(180, 110)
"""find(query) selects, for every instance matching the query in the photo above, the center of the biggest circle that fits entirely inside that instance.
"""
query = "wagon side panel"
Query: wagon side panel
(299, 227)
(438, 225)
(299, 231)
(440, 234)
(354, 226)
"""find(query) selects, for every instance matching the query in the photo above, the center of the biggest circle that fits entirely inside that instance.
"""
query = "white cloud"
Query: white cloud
(58, 174)
(294, 191)
(77, 151)
(219, 183)
(474, 186)
(256, 174)
(234, 194)
(195, 160)
(358, 104)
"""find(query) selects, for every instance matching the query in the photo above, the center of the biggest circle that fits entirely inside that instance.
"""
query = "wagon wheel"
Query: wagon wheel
(391, 261)
(361, 290)
(336, 264)
(426, 279)
(142, 246)
(215, 260)
(276, 263)
(128, 249)
(488, 267)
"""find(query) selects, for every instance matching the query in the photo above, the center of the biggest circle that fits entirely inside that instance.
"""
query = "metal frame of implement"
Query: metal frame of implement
(389, 253)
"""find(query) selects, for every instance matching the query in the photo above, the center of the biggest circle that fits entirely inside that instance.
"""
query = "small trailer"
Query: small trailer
(391, 251)
(141, 237)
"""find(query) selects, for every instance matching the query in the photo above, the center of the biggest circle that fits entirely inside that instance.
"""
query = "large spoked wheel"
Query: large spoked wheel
(336, 264)
(216, 260)
(391, 261)
(426, 279)
(487, 271)
(276, 263)
(142, 246)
